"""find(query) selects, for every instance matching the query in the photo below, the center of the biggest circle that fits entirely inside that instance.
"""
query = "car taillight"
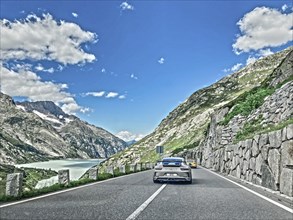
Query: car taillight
(184, 168)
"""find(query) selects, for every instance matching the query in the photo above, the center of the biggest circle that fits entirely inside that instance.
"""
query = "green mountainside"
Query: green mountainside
(187, 125)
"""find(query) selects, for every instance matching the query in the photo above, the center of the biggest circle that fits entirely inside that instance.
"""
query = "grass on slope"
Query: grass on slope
(247, 102)
(250, 129)
(31, 176)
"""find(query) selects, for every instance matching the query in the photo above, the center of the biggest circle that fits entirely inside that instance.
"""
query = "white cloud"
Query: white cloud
(39, 67)
(60, 68)
(105, 94)
(126, 6)
(265, 52)
(250, 60)
(85, 110)
(43, 38)
(24, 82)
(128, 136)
(161, 60)
(103, 70)
(236, 67)
(95, 94)
(233, 68)
(74, 14)
(132, 76)
(284, 7)
(112, 95)
(263, 27)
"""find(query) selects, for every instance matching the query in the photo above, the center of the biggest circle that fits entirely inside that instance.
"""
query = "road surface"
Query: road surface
(128, 197)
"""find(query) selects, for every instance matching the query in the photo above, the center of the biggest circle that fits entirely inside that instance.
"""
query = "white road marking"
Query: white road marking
(145, 204)
(255, 193)
(66, 190)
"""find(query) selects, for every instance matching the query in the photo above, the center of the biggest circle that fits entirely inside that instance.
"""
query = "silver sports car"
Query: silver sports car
(172, 169)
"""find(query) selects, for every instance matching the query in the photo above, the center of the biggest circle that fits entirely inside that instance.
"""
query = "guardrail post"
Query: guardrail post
(110, 170)
(138, 167)
(93, 173)
(63, 177)
(132, 167)
(148, 166)
(122, 168)
(14, 184)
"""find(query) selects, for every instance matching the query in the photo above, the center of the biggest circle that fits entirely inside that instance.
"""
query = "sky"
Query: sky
(125, 65)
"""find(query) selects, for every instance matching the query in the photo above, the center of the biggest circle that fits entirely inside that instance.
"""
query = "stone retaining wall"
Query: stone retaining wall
(265, 160)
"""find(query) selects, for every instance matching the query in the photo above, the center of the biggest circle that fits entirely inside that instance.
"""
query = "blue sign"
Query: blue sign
(160, 149)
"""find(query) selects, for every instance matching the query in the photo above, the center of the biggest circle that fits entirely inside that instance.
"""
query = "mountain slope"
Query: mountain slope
(34, 131)
(186, 126)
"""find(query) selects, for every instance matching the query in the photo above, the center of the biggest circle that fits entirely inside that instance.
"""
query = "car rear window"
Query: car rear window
(172, 163)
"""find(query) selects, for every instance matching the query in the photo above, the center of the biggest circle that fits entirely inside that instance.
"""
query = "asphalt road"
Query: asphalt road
(209, 197)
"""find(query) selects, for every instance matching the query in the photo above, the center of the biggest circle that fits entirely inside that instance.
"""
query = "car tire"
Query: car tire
(155, 181)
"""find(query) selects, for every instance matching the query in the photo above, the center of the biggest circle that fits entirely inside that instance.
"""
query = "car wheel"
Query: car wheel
(155, 181)
(189, 182)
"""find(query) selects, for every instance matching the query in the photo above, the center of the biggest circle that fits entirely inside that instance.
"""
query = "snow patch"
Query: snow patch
(46, 117)
(21, 107)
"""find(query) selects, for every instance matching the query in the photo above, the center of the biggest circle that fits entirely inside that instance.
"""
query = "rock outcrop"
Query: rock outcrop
(265, 156)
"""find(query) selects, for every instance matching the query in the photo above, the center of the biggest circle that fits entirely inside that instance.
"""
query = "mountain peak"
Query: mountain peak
(45, 107)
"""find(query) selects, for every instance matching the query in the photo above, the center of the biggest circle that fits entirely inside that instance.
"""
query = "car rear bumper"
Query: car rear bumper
(172, 179)
(178, 177)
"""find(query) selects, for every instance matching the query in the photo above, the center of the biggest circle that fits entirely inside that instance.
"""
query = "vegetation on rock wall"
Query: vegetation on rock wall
(247, 102)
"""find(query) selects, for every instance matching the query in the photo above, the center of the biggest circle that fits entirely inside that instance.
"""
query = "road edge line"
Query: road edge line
(251, 191)
(66, 190)
(145, 204)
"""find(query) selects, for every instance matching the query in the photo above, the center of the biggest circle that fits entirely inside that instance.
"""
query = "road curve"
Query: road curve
(209, 197)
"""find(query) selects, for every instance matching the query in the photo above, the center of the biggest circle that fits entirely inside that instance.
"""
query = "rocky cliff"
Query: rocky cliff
(34, 131)
(188, 126)
(252, 137)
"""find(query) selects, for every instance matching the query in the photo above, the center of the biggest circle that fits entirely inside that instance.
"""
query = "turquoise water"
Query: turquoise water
(77, 167)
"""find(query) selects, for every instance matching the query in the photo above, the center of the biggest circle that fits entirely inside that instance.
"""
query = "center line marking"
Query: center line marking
(145, 204)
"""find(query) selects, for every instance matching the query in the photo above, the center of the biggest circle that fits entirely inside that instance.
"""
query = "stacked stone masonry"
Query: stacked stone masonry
(265, 160)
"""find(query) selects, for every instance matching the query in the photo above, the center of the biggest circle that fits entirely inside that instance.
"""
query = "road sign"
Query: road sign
(160, 149)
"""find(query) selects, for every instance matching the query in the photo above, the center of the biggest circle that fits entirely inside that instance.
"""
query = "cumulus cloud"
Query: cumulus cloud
(261, 28)
(128, 136)
(105, 94)
(24, 82)
(43, 38)
(39, 67)
(265, 52)
(161, 60)
(95, 94)
(250, 60)
(234, 68)
(37, 39)
(74, 14)
(132, 76)
(85, 110)
(112, 95)
(126, 6)
(284, 7)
